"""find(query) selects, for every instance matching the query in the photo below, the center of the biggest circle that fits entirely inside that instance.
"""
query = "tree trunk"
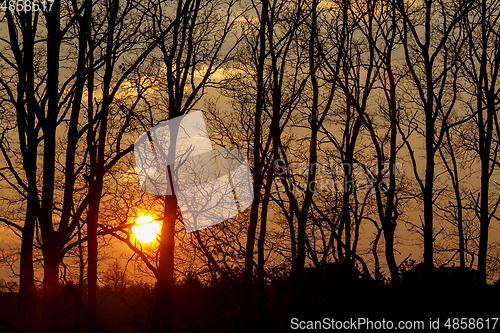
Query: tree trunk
(311, 178)
(166, 271)
(378, 273)
(262, 234)
(78, 300)
(257, 175)
(484, 228)
(92, 262)
(428, 218)
(346, 217)
(461, 238)
(485, 97)
(50, 291)
(429, 149)
(26, 308)
(389, 254)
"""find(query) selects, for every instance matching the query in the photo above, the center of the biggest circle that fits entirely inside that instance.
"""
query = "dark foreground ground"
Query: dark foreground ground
(282, 306)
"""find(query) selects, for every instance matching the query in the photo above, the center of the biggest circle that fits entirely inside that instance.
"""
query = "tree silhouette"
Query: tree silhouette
(357, 118)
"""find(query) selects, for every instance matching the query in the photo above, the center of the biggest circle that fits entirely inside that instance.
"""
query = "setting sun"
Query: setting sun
(146, 229)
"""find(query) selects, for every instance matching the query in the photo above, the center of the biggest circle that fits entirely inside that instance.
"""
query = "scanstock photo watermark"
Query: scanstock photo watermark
(363, 323)
(334, 176)
(177, 157)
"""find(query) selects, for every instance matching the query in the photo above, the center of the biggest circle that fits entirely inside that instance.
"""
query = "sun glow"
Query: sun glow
(146, 229)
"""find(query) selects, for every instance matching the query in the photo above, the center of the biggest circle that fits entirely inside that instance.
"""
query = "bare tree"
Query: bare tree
(454, 155)
(193, 44)
(431, 63)
(50, 110)
(270, 59)
(387, 20)
(351, 65)
(481, 67)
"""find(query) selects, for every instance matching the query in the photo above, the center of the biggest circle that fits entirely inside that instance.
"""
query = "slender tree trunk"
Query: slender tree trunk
(428, 204)
(167, 260)
(378, 274)
(485, 98)
(389, 254)
(26, 312)
(484, 215)
(461, 238)
(484, 224)
(79, 297)
(92, 258)
(26, 309)
(97, 149)
(453, 171)
(269, 170)
(430, 122)
(346, 217)
(257, 169)
(311, 178)
(262, 234)
(248, 277)
(390, 218)
(427, 191)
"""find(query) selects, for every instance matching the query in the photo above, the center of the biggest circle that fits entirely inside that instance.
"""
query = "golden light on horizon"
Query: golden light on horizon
(146, 229)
